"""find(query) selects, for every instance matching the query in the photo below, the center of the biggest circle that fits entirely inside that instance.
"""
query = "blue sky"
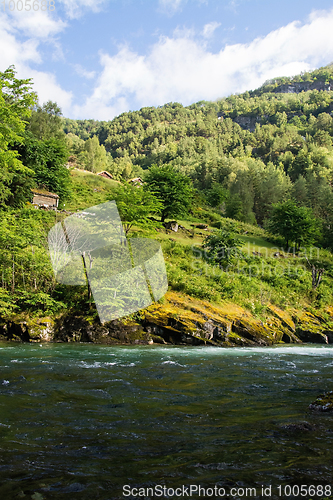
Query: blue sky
(99, 58)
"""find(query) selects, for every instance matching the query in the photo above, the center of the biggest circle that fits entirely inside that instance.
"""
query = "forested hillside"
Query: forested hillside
(243, 153)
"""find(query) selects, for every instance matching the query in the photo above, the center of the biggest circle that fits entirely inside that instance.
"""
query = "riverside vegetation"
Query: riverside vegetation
(248, 180)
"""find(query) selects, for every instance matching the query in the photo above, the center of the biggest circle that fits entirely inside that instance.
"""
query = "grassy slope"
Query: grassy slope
(89, 189)
(253, 282)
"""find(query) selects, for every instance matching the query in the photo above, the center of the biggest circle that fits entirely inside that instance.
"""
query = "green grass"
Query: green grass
(89, 189)
(251, 243)
(251, 282)
(257, 244)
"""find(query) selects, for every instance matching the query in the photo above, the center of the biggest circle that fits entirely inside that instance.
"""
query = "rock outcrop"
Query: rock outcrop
(179, 319)
(297, 87)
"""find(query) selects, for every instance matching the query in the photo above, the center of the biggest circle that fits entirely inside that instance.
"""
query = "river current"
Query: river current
(82, 421)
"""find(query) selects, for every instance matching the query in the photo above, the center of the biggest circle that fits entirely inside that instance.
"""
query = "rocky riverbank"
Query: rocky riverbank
(179, 320)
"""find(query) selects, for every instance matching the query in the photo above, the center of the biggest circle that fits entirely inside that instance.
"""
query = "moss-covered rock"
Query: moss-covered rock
(28, 329)
(40, 329)
(76, 328)
(179, 319)
(283, 316)
(310, 328)
(324, 402)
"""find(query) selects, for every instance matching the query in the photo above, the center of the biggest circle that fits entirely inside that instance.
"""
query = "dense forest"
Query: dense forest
(255, 167)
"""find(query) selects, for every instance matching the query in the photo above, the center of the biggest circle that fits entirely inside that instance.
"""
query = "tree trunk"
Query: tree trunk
(86, 273)
(317, 275)
(90, 260)
(23, 275)
(13, 276)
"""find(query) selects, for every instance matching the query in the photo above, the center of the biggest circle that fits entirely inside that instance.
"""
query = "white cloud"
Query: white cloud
(170, 6)
(232, 5)
(208, 29)
(81, 71)
(21, 34)
(97, 111)
(182, 68)
(37, 24)
(178, 68)
(47, 88)
(13, 51)
(22, 53)
(76, 8)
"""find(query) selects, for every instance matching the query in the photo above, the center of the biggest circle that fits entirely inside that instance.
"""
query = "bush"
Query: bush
(222, 247)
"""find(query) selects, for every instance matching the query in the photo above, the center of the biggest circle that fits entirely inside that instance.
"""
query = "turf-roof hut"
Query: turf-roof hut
(43, 198)
(105, 174)
(136, 181)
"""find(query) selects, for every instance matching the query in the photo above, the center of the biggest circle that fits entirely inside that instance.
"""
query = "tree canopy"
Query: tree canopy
(295, 224)
(16, 99)
(255, 148)
(45, 121)
(172, 188)
(47, 159)
(136, 207)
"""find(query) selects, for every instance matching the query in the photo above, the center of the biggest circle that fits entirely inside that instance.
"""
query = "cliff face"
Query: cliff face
(297, 87)
(180, 320)
(249, 121)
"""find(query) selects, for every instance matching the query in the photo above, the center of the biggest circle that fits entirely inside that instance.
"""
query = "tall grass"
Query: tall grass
(250, 281)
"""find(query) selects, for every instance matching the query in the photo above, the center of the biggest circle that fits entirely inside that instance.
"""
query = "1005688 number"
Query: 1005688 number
(303, 491)
(34, 5)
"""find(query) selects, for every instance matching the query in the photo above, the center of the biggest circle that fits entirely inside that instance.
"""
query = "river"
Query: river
(82, 421)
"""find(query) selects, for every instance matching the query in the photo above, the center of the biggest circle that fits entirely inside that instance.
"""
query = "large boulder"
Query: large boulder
(171, 226)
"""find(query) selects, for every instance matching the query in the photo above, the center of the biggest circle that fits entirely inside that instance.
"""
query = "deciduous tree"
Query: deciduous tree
(172, 188)
(295, 224)
(136, 207)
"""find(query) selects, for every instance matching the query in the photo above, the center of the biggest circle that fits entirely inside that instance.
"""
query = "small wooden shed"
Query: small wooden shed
(43, 198)
(105, 174)
(136, 181)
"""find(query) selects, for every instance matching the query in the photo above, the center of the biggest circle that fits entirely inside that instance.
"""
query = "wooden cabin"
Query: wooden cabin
(43, 198)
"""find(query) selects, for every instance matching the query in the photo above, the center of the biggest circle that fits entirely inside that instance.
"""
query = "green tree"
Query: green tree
(216, 195)
(295, 224)
(121, 168)
(172, 188)
(324, 121)
(16, 99)
(271, 185)
(136, 207)
(47, 160)
(300, 190)
(234, 207)
(74, 143)
(93, 156)
(45, 121)
(301, 164)
(24, 261)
